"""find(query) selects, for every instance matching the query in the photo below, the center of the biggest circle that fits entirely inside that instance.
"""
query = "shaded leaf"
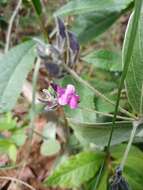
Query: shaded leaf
(19, 136)
(49, 130)
(85, 6)
(104, 59)
(50, 147)
(134, 78)
(14, 67)
(89, 131)
(89, 26)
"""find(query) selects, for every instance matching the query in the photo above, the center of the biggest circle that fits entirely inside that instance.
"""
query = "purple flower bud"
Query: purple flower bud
(61, 28)
(74, 45)
(74, 48)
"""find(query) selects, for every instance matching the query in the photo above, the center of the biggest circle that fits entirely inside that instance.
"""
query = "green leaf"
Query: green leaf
(75, 171)
(90, 132)
(104, 59)
(89, 26)
(19, 136)
(105, 107)
(103, 182)
(103, 86)
(49, 130)
(50, 147)
(134, 78)
(14, 67)
(85, 6)
(37, 6)
(12, 152)
(7, 122)
(9, 148)
(133, 167)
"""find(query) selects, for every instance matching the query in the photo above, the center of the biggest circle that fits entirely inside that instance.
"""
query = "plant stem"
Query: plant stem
(134, 27)
(99, 175)
(95, 91)
(44, 31)
(11, 24)
(18, 181)
(33, 107)
(32, 114)
(107, 114)
(133, 132)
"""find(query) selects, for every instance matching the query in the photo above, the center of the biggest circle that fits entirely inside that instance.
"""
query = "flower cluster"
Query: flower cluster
(57, 95)
(68, 96)
(63, 50)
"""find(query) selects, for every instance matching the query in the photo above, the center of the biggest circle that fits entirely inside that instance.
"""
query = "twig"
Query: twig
(11, 24)
(107, 114)
(18, 181)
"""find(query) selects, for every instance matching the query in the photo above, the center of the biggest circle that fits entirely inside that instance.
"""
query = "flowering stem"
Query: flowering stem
(95, 91)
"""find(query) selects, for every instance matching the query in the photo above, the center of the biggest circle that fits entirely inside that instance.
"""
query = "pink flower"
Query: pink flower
(68, 96)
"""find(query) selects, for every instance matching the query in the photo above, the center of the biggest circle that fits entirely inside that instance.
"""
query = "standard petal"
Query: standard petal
(70, 89)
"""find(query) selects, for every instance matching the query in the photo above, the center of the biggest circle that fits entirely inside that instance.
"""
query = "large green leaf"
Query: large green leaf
(134, 78)
(85, 6)
(133, 167)
(89, 131)
(77, 170)
(95, 16)
(104, 59)
(89, 26)
(14, 67)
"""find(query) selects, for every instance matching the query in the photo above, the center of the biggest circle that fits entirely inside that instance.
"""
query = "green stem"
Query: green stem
(95, 91)
(33, 106)
(135, 125)
(99, 175)
(106, 114)
(138, 4)
(136, 16)
(40, 18)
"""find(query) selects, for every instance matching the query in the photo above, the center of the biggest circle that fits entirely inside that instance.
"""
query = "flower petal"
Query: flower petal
(70, 89)
(63, 100)
(73, 103)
